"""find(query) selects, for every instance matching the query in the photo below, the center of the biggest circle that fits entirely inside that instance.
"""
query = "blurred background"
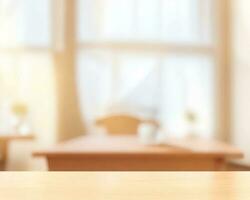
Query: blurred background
(64, 64)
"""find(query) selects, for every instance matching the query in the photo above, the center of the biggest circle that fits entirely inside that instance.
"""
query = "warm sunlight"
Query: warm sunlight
(134, 77)
(142, 99)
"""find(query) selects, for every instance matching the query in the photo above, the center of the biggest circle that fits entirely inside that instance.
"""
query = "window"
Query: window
(154, 58)
(25, 53)
(25, 23)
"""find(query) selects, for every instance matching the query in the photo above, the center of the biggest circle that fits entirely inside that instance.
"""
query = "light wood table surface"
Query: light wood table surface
(125, 186)
(126, 153)
(4, 146)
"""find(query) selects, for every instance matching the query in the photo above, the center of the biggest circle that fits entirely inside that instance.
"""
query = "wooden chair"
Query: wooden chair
(122, 124)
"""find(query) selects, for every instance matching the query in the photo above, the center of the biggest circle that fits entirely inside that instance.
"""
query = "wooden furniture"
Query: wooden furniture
(125, 185)
(122, 124)
(127, 153)
(4, 146)
(235, 166)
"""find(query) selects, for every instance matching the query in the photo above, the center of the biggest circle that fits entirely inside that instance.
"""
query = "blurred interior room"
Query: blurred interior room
(124, 85)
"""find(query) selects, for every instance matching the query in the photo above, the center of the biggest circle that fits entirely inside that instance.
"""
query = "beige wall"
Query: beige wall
(240, 76)
(40, 95)
(43, 101)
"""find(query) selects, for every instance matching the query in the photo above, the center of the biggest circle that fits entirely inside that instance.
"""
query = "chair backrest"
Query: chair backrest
(122, 124)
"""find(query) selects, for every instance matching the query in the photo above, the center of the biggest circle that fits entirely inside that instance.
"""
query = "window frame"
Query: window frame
(69, 47)
(219, 52)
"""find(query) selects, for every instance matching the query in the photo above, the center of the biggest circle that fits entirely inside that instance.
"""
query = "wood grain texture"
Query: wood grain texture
(127, 153)
(125, 185)
(135, 164)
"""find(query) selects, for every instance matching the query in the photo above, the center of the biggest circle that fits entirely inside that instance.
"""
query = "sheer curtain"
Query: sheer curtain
(152, 58)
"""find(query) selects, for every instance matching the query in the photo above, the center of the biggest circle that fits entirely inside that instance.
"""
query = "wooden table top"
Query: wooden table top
(125, 185)
(130, 146)
(16, 137)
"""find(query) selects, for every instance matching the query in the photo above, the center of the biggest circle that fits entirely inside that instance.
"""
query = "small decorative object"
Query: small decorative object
(161, 136)
(147, 133)
(191, 119)
(21, 124)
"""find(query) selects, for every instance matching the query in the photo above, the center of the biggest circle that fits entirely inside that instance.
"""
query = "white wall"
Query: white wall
(241, 76)
(40, 94)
